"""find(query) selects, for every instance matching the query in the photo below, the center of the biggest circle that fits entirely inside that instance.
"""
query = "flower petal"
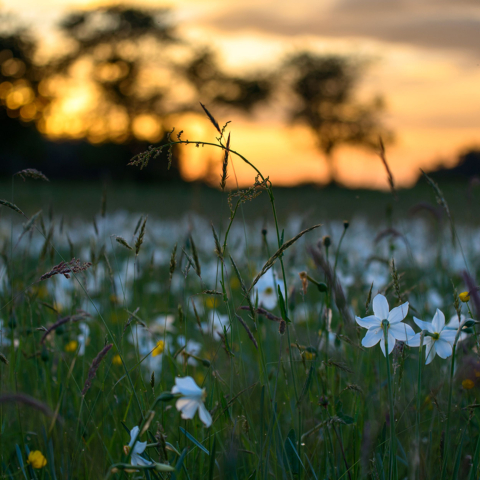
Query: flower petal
(415, 340)
(188, 407)
(382, 346)
(204, 415)
(401, 331)
(454, 323)
(133, 435)
(444, 349)
(448, 336)
(430, 352)
(136, 459)
(369, 322)
(380, 307)
(397, 314)
(423, 325)
(391, 343)
(186, 386)
(438, 321)
(372, 337)
(139, 447)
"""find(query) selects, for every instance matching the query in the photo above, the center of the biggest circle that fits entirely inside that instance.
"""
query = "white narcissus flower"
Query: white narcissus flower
(440, 341)
(139, 448)
(453, 324)
(266, 288)
(397, 330)
(192, 400)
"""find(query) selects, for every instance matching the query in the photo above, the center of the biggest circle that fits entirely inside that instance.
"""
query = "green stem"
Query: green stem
(392, 411)
(338, 251)
(449, 409)
(417, 422)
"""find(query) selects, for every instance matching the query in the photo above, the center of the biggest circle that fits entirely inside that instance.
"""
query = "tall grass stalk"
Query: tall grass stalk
(393, 440)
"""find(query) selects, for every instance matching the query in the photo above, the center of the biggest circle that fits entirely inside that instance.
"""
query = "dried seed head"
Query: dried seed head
(94, 367)
(123, 242)
(73, 266)
(31, 173)
(326, 240)
(140, 237)
(173, 263)
(224, 176)
(304, 279)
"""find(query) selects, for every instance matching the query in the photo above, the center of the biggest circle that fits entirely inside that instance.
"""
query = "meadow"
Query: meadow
(237, 334)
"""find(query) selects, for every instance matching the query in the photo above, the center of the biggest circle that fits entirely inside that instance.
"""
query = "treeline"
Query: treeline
(140, 73)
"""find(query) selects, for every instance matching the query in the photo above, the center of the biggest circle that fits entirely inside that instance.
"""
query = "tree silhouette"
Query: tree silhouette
(143, 70)
(323, 90)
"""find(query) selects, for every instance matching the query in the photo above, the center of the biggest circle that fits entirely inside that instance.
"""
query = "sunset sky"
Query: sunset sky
(424, 60)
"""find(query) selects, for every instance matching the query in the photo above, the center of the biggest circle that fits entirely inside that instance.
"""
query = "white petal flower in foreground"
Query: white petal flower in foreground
(440, 341)
(397, 330)
(192, 400)
(138, 449)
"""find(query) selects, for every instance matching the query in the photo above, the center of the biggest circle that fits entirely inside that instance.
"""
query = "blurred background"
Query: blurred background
(309, 88)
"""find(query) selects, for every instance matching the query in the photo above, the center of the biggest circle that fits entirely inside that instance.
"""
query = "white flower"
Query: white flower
(138, 449)
(163, 323)
(217, 323)
(396, 329)
(192, 400)
(191, 347)
(267, 288)
(441, 341)
(453, 324)
(83, 338)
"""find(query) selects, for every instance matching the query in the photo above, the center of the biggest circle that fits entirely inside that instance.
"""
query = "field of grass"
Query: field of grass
(242, 342)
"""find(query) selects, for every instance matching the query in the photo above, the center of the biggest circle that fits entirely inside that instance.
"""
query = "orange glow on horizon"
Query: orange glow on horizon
(432, 97)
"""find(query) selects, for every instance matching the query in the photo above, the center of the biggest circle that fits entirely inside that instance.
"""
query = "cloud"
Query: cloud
(437, 24)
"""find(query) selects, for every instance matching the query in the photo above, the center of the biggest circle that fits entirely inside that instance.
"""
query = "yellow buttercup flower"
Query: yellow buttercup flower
(468, 384)
(71, 346)
(36, 459)
(158, 350)
(211, 302)
(308, 355)
(464, 297)
(117, 360)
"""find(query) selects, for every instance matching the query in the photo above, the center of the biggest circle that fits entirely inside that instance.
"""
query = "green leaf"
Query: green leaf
(179, 464)
(20, 461)
(347, 419)
(212, 459)
(290, 455)
(282, 305)
(194, 440)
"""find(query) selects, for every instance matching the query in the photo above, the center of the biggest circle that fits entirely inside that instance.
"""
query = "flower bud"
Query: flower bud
(165, 397)
(162, 467)
(464, 297)
(323, 401)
